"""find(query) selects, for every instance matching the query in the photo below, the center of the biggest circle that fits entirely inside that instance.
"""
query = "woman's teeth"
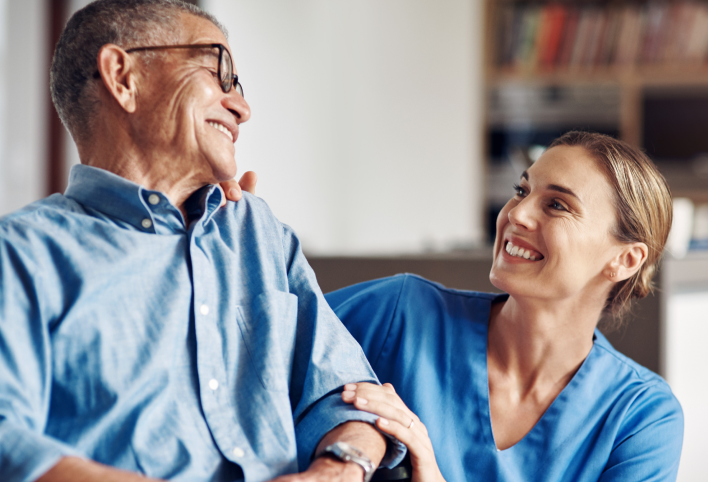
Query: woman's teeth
(519, 252)
(221, 128)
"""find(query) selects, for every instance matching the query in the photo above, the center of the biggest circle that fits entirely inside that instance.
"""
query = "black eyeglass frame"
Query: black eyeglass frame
(227, 81)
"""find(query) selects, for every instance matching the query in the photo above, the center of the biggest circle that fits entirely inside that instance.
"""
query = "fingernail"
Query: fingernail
(233, 192)
(362, 401)
(350, 386)
(383, 421)
(348, 394)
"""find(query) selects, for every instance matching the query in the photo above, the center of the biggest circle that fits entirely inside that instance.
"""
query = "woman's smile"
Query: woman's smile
(518, 249)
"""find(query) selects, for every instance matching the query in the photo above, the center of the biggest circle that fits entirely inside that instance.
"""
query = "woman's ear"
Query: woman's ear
(631, 257)
(116, 68)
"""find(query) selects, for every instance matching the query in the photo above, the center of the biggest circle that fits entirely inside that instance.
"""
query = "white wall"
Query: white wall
(686, 365)
(23, 102)
(366, 128)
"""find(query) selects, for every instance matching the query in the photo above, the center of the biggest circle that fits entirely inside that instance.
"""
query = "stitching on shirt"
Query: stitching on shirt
(650, 380)
(390, 323)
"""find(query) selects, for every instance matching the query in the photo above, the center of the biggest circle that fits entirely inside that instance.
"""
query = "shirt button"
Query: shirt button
(213, 384)
(147, 224)
(154, 199)
(204, 310)
(238, 452)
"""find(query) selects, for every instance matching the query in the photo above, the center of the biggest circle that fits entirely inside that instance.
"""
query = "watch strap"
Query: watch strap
(346, 453)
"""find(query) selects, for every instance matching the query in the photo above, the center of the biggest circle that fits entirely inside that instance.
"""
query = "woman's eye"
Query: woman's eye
(557, 206)
(519, 191)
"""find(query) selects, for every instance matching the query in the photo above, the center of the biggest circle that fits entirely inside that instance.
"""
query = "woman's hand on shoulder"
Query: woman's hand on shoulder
(233, 191)
(396, 419)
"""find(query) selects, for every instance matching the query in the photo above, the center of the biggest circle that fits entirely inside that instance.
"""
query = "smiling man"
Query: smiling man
(142, 328)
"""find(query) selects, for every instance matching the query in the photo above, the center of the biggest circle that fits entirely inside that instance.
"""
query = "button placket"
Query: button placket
(216, 399)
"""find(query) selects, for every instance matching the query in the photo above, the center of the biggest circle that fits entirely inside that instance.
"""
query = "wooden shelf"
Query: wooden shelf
(640, 76)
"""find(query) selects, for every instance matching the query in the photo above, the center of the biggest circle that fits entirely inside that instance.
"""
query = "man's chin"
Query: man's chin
(224, 173)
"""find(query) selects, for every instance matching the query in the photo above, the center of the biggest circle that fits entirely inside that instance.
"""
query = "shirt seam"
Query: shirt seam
(649, 381)
(390, 323)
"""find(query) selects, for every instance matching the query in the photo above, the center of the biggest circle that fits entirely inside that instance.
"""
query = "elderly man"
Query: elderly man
(142, 328)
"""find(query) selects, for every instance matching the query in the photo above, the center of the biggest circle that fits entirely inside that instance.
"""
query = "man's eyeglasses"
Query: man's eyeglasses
(225, 69)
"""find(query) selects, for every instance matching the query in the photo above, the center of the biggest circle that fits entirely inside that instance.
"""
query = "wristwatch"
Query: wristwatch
(346, 453)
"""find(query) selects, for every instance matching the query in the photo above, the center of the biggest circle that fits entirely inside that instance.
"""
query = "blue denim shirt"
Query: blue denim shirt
(200, 352)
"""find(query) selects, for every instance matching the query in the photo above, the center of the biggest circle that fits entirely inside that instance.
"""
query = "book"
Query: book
(568, 38)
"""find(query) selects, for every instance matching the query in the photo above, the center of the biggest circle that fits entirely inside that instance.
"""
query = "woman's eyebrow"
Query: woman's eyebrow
(555, 187)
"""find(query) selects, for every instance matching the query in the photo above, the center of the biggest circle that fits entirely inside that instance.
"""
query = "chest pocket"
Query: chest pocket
(268, 329)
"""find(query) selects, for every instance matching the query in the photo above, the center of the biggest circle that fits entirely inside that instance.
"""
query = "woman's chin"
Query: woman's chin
(516, 284)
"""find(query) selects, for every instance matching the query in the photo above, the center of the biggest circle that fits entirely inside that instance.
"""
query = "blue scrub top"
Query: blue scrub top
(615, 420)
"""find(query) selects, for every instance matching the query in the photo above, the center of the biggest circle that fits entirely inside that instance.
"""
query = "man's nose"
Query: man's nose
(237, 105)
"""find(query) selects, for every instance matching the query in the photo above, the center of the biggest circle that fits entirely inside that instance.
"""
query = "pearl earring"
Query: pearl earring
(612, 275)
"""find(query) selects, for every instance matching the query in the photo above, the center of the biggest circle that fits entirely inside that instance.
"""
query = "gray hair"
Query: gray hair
(126, 23)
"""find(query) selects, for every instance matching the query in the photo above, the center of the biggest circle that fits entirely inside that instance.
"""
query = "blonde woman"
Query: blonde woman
(522, 386)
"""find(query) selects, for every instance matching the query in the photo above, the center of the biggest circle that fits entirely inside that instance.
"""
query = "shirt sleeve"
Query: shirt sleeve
(326, 358)
(25, 374)
(649, 443)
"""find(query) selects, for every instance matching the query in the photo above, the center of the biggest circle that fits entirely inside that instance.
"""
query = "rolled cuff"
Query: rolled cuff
(329, 412)
(26, 455)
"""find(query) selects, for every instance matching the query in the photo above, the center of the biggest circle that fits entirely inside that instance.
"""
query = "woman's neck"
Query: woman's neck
(539, 346)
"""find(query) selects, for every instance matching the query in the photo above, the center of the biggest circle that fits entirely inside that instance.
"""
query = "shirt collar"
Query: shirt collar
(129, 202)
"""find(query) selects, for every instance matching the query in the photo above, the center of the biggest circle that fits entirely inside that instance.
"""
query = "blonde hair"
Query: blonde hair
(644, 210)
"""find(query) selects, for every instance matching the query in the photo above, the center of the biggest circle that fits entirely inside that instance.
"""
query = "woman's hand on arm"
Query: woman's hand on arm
(398, 420)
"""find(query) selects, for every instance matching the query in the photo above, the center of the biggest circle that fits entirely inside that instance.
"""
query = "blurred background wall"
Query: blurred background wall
(388, 134)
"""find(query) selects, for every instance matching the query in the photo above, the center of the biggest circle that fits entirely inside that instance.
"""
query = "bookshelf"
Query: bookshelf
(630, 44)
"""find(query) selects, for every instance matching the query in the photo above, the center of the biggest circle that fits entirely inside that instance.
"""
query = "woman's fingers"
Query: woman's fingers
(248, 182)
(382, 401)
(233, 191)
(386, 410)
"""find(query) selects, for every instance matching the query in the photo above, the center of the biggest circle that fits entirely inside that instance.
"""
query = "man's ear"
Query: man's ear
(631, 257)
(116, 68)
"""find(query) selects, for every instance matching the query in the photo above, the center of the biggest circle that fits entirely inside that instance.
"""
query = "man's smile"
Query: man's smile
(222, 128)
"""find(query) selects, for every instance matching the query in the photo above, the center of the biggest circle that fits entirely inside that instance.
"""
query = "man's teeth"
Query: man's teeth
(223, 129)
(519, 252)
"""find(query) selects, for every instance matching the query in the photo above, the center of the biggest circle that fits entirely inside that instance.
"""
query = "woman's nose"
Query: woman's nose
(524, 215)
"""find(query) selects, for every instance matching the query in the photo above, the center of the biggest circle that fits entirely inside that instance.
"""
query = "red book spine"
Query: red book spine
(556, 22)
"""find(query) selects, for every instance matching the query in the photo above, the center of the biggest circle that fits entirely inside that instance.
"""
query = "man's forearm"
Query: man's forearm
(361, 435)
(74, 469)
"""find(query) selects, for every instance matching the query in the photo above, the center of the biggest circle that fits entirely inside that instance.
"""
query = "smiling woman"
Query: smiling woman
(523, 386)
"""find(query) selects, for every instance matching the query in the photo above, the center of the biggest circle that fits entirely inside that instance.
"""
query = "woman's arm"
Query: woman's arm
(397, 420)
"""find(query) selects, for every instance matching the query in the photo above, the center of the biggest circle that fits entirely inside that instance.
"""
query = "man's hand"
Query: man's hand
(361, 435)
(233, 191)
(326, 469)
(74, 469)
